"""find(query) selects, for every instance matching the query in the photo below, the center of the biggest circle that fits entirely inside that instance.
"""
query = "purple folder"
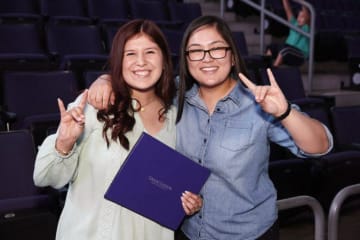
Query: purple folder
(151, 180)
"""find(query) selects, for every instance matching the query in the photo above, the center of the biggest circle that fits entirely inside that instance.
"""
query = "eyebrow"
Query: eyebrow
(149, 48)
(212, 43)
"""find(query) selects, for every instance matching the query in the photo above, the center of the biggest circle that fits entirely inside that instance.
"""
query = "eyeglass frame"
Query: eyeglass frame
(207, 51)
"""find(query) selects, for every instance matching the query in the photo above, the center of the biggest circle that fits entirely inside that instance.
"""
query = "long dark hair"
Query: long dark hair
(186, 80)
(120, 116)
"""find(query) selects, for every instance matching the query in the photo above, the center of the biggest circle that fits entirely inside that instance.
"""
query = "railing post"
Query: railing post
(314, 204)
(262, 29)
(335, 207)
(222, 8)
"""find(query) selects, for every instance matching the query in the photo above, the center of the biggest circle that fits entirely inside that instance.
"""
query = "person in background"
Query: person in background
(90, 146)
(295, 50)
(226, 123)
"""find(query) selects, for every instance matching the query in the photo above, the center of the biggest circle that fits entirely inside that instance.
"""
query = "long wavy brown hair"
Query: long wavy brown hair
(120, 116)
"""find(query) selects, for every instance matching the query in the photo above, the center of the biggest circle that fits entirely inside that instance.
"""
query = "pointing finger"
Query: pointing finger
(272, 78)
(247, 82)
(61, 107)
(83, 99)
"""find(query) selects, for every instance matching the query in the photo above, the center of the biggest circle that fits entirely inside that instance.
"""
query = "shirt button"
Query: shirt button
(199, 161)
(205, 140)
(218, 109)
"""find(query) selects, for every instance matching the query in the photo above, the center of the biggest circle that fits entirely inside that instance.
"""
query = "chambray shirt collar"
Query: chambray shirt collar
(192, 96)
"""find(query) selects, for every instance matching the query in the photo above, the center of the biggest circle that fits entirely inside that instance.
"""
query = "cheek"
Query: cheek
(192, 68)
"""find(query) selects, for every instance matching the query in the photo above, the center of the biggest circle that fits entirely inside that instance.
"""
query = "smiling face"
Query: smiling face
(209, 72)
(303, 16)
(142, 63)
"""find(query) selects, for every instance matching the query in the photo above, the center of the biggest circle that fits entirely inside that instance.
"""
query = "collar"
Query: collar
(238, 94)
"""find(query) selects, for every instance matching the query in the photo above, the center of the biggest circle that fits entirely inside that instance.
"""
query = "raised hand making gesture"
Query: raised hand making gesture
(270, 97)
(71, 125)
(305, 131)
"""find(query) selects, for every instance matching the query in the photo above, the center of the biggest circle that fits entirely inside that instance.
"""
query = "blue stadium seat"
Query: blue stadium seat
(77, 47)
(26, 211)
(32, 97)
(22, 47)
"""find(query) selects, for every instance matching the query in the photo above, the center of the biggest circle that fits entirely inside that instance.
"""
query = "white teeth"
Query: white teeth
(208, 68)
(141, 73)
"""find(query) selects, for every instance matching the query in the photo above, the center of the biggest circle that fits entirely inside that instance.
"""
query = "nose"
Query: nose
(140, 60)
(207, 56)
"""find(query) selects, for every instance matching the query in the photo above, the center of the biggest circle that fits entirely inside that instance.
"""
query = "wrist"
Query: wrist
(63, 151)
(285, 114)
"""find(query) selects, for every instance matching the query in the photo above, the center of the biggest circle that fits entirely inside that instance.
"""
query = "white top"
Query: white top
(89, 170)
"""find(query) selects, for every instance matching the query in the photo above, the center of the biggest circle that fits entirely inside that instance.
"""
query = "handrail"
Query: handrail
(335, 207)
(318, 211)
(310, 35)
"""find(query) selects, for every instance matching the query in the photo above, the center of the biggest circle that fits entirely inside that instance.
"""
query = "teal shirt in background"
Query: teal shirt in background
(297, 39)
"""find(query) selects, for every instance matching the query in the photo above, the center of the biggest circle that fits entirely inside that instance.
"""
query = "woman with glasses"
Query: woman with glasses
(227, 125)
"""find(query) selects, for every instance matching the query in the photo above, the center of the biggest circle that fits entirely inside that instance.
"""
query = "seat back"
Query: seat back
(177, 10)
(15, 53)
(76, 42)
(90, 76)
(13, 35)
(32, 96)
(241, 44)
(153, 10)
(17, 164)
(66, 39)
(32, 93)
(292, 177)
(64, 10)
(109, 30)
(174, 38)
(289, 80)
(108, 10)
(25, 210)
(19, 11)
(346, 121)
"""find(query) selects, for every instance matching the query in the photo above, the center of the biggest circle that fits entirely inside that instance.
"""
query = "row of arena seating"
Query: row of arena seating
(47, 45)
(93, 11)
(56, 45)
(65, 40)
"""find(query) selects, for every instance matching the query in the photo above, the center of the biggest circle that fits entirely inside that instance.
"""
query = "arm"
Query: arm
(288, 9)
(56, 161)
(308, 133)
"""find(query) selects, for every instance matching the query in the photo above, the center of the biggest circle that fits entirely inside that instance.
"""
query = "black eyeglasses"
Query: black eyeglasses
(199, 54)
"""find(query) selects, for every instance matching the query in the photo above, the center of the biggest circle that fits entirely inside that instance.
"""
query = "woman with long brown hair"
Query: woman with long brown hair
(90, 146)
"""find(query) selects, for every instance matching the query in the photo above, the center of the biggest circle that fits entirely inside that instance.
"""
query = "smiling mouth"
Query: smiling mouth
(142, 73)
(209, 69)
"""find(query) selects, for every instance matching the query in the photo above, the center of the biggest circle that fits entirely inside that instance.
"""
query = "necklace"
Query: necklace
(142, 107)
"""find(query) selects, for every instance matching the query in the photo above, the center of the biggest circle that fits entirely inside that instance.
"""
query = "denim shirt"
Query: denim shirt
(233, 142)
